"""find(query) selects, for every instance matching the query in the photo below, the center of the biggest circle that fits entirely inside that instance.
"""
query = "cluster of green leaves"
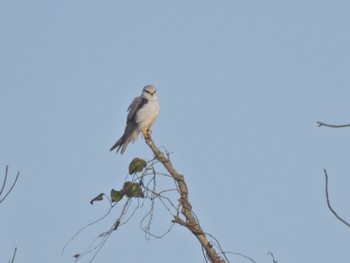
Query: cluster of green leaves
(129, 189)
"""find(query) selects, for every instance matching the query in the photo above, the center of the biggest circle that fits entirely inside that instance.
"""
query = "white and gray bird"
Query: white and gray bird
(143, 111)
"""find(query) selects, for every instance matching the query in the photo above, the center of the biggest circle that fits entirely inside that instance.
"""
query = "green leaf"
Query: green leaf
(97, 198)
(116, 196)
(137, 165)
(132, 189)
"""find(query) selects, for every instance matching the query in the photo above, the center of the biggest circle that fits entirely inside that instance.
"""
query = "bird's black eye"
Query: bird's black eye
(150, 93)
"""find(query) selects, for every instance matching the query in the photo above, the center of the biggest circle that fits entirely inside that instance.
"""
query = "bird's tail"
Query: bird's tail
(118, 144)
(121, 143)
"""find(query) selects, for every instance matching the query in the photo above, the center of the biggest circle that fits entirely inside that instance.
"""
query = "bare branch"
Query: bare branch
(13, 257)
(272, 256)
(191, 222)
(181, 211)
(332, 126)
(88, 225)
(4, 183)
(241, 255)
(329, 204)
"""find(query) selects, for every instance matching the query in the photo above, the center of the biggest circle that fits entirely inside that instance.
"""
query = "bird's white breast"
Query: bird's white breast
(147, 114)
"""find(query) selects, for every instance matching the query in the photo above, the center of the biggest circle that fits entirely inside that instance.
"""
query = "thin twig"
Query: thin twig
(273, 258)
(329, 204)
(241, 255)
(13, 257)
(332, 125)
(88, 225)
(103, 236)
(4, 183)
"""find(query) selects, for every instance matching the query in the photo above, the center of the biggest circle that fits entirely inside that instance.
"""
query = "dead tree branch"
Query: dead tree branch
(272, 256)
(13, 257)
(5, 196)
(4, 184)
(332, 125)
(329, 204)
(241, 255)
(190, 222)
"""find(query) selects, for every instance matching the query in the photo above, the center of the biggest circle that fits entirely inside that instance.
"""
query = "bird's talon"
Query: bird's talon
(146, 133)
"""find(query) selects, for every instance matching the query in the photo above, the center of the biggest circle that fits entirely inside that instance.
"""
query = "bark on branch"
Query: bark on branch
(191, 222)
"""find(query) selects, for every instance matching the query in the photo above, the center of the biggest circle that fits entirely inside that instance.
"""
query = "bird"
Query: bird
(143, 111)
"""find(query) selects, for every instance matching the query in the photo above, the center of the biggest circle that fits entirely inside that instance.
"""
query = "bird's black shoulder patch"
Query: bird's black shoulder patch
(143, 102)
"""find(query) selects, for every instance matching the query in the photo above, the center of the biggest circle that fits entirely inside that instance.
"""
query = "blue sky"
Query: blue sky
(241, 85)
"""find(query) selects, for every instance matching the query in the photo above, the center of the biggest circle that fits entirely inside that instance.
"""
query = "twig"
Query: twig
(241, 255)
(4, 183)
(88, 225)
(191, 223)
(273, 258)
(329, 204)
(332, 126)
(13, 257)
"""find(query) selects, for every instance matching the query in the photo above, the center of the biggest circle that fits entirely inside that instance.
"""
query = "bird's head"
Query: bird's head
(149, 91)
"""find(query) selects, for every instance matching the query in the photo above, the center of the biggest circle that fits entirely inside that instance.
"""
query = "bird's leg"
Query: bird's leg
(146, 133)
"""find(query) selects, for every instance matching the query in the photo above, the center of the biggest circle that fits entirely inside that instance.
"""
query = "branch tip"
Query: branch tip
(328, 202)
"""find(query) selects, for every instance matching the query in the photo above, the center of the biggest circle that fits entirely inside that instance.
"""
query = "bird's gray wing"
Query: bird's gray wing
(131, 129)
(136, 105)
